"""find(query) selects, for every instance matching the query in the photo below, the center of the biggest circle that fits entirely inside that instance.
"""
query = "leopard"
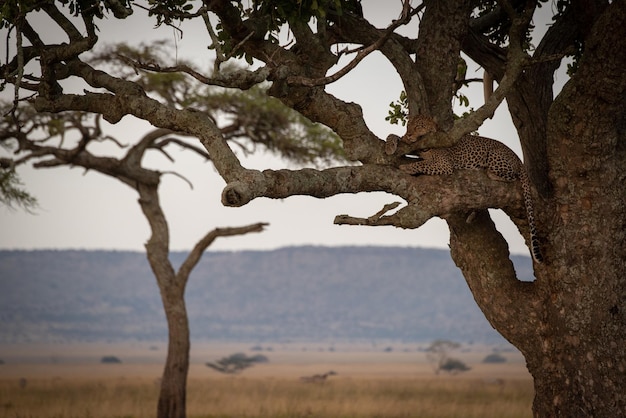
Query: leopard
(478, 152)
(417, 127)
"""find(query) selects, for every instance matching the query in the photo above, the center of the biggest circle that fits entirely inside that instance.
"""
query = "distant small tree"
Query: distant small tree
(454, 366)
(438, 354)
(236, 363)
(110, 360)
(494, 358)
(260, 358)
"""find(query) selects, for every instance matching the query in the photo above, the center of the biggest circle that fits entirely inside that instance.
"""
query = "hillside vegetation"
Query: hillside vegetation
(308, 293)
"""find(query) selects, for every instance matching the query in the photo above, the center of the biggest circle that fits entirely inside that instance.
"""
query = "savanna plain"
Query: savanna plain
(70, 381)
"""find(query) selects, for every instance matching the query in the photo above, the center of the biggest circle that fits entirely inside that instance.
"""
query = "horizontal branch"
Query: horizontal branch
(377, 219)
(426, 196)
(411, 216)
(279, 184)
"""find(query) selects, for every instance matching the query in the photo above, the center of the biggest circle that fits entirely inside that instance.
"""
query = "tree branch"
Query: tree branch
(190, 122)
(361, 54)
(411, 216)
(427, 196)
(196, 253)
(375, 220)
(64, 23)
(481, 253)
(396, 49)
(240, 79)
(516, 60)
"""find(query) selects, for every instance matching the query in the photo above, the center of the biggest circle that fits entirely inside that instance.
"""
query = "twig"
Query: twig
(219, 54)
(174, 173)
(363, 52)
(20, 65)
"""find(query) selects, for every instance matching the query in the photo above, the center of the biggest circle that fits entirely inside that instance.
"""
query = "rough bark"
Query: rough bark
(443, 25)
(579, 366)
(570, 323)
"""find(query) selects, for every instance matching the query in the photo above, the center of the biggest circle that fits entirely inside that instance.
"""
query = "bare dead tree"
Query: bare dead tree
(129, 170)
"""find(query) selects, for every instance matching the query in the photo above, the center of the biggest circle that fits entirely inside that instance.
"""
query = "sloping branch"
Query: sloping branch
(480, 251)
(196, 253)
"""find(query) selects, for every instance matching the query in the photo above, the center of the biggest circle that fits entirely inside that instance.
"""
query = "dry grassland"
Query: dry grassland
(367, 385)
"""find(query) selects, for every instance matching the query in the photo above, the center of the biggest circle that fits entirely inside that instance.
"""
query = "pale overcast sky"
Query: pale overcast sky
(92, 211)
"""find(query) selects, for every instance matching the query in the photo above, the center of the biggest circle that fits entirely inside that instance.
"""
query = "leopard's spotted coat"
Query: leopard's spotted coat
(477, 152)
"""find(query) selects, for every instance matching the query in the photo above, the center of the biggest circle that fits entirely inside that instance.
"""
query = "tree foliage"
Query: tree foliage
(12, 193)
(110, 360)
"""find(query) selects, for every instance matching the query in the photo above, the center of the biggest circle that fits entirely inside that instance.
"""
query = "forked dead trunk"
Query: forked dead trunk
(172, 397)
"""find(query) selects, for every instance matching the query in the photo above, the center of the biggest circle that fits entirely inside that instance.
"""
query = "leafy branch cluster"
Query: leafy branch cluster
(12, 192)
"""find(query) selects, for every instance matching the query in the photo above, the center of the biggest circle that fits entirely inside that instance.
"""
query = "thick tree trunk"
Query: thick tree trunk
(580, 374)
(580, 369)
(570, 323)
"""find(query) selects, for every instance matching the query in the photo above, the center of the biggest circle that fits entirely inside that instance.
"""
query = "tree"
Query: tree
(236, 363)
(454, 366)
(494, 358)
(68, 139)
(129, 170)
(110, 360)
(570, 322)
(438, 354)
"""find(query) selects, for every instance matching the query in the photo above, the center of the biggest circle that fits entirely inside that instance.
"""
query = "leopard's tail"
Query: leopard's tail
(528, 202)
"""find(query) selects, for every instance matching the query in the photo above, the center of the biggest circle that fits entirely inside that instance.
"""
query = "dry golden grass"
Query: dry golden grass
(271, 397)
(368, 385)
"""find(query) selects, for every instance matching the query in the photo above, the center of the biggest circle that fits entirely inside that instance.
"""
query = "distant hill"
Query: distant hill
(295, 293)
